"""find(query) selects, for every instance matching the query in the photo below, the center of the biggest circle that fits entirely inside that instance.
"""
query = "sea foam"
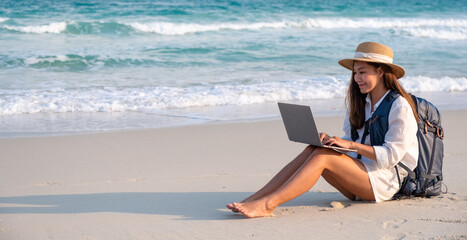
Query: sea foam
(56, 27)
(377, 23)
(167, 28)
(149, 99)
(427, 84)
(450, 29)
(156, 98)
(460, 34)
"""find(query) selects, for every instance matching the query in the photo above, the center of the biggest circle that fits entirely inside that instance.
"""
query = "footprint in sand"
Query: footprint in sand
(286, 211)
(444, 220)
(395, 223)
(408, 235)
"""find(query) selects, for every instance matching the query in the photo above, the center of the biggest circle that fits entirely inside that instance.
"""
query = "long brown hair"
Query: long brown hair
(356, 100)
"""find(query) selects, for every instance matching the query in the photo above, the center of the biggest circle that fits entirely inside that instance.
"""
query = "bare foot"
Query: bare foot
(234, 209)
(252, 209)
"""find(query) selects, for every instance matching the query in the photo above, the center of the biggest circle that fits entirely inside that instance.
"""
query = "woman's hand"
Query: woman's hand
(364, 150)
(323, 137)
(337, 141)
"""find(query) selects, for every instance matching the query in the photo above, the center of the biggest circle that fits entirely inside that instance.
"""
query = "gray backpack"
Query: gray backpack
(427, 177)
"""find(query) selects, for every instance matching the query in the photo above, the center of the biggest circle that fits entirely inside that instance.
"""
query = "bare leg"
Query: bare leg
(337, 185)
(280, 178)
(349, 173)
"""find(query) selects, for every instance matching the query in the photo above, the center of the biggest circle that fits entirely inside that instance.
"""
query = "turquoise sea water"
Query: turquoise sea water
(72, 66)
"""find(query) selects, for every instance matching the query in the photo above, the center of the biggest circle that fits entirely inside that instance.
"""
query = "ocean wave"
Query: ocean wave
(167, 28)
(378, 23)
(73, 62)
(3, 19)
(74, 27)
(428, 84)
(454, 29)
(154, 99)
(460, 34)
(56, 27)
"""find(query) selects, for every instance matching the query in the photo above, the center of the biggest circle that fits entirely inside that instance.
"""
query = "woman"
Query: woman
(368, 174)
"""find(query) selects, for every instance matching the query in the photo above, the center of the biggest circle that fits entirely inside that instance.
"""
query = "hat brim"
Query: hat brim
(348, 63)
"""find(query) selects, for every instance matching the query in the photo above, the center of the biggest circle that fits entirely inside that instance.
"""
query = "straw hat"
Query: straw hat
(373, 52)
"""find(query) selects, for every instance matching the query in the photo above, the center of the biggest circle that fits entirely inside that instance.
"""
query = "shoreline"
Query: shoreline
(64, 124)
(168, 127)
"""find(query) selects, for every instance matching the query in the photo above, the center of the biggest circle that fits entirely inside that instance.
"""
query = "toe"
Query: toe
(232, 207)
(240, 208)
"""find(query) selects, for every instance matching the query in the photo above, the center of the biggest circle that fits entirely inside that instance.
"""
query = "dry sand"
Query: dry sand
(173, 183)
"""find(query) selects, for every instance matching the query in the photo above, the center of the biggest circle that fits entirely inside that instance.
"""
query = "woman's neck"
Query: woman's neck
(376, 95)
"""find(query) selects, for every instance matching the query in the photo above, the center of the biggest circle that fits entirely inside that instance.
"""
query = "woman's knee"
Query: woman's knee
(324, 156)
(324, 152)
(318, 155)
(315, 150)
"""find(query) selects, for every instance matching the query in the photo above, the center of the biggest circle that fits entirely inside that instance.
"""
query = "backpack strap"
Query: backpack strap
(439, 131)
(428, 174)
(354, 134)
(366, 132)
(398, 177)
(411, 173)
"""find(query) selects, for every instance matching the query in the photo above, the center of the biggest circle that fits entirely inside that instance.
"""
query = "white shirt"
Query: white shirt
(400, 145)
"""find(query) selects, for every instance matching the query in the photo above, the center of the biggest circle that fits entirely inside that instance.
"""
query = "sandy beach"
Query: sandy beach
(173, 183)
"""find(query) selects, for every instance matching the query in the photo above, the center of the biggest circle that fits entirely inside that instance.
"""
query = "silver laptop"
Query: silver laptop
(300, 126)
